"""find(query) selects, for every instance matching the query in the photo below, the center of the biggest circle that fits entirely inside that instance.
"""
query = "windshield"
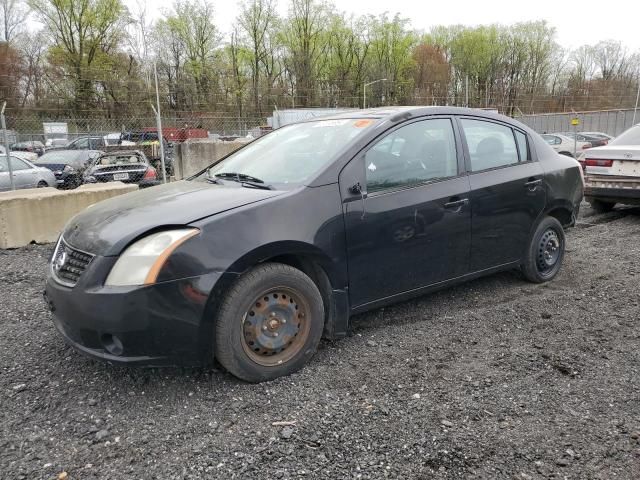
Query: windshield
(630, 137)
(62, 158)
(291, 154)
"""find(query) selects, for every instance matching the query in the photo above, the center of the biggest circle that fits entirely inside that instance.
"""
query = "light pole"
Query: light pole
(636, 109)
(6, 146)
(364, 90)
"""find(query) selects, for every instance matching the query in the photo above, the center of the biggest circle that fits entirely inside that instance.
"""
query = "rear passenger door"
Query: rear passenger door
(507, 191)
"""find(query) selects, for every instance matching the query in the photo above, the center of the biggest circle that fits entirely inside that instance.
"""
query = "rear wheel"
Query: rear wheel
(269, 323)
(42, 184)
(601, 206)
(545, 252)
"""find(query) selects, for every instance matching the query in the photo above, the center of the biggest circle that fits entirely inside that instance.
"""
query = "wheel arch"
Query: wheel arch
(328, 276)
(563, 212)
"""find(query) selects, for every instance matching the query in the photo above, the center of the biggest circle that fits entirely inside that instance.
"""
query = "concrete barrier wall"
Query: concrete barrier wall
(38, 215)
(193, 155)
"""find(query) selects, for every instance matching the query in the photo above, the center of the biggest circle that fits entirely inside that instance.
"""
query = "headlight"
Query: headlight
(141, 262)
(68, 169)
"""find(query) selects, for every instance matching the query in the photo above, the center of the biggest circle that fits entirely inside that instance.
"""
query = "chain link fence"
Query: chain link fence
(176, 128)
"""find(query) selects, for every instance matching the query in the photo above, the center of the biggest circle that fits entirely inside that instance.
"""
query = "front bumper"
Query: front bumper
(154, 325)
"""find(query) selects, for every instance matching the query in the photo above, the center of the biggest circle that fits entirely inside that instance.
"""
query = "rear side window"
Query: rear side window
(491, 145)
(523, 146)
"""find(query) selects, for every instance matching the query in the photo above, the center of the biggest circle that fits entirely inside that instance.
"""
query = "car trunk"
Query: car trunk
(613, 160)
(127, 173)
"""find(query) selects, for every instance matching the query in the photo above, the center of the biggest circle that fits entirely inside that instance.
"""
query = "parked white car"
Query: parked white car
(612, 173)
(565, 145)
(28, 156)
(602, 135)
(25, 174)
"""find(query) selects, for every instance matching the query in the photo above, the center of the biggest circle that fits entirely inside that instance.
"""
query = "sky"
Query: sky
(577, 22)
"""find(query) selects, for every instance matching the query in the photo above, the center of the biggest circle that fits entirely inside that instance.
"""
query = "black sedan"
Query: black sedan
(128, 166)
(255, 258)
(68, 165)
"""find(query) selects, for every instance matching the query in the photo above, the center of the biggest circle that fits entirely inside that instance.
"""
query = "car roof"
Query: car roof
(388, 113)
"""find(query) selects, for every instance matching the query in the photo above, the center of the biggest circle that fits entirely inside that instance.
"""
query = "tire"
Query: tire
(545, 251)
(269, 323)
(600, 206)
(42, 184)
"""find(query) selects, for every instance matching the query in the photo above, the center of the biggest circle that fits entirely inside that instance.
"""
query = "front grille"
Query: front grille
(68, 264)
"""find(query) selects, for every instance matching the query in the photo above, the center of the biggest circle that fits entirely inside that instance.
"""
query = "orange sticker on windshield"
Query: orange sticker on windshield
(362, 123)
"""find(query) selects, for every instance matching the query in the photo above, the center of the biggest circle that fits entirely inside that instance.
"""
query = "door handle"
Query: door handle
(456, 203)
(533, 182)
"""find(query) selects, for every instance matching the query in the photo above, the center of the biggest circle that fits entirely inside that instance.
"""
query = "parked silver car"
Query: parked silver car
(25, 174)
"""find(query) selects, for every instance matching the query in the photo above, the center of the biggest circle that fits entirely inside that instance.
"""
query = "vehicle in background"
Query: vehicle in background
(259, 255)
(179, 135)
(565, 145)
(68, 166)
(147, 141)
(602, 135)
(55, 134)
(25, 174)
(612, 173)
(111, 139)
(87, 143)
(31, 146)
(29, 156)
(53, 143)
(128, 166)
(594, 141)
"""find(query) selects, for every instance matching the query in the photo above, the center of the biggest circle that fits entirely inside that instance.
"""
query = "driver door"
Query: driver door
(407, 213)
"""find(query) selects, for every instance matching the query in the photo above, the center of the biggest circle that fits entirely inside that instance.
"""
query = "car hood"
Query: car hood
(107, 227)
(615, 152)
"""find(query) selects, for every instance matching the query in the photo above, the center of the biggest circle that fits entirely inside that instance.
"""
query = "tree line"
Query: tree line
(97, 58)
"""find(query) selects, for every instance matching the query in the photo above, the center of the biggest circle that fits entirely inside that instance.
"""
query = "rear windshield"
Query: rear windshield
(291, 154)
(630, 137)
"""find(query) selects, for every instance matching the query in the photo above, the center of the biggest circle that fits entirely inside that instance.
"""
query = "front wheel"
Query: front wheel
(269, 323)
(545, 252)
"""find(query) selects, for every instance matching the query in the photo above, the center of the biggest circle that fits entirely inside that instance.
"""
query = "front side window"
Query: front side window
(81, 143)
(416, 153)
(291, 154)
(491, 145)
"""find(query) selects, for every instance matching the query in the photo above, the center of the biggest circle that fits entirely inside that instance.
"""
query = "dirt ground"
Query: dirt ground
(495, 379)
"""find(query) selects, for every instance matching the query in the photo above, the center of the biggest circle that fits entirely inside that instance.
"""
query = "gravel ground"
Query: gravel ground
(494, 379)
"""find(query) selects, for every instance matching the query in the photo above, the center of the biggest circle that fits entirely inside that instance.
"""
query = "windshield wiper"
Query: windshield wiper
(238, 177)
(261, 186)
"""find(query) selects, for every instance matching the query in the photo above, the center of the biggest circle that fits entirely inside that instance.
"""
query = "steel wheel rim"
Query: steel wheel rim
(549, 251)
(275, 326)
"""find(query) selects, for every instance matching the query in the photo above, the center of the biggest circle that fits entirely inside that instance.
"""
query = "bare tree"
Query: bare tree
(14, 15)
(257, 19)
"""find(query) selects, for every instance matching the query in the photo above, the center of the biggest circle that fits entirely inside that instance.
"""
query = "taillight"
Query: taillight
(593, 162)
(150, 174)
